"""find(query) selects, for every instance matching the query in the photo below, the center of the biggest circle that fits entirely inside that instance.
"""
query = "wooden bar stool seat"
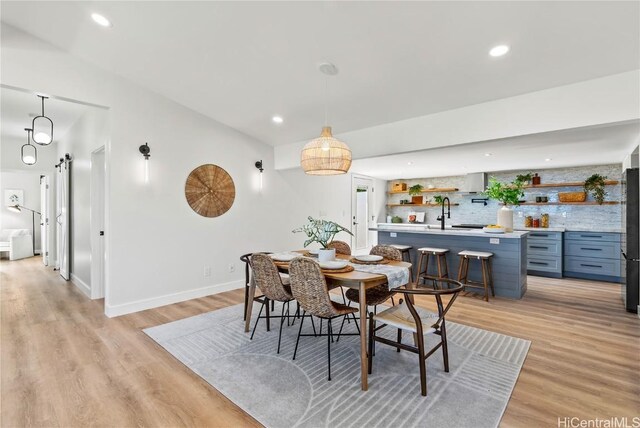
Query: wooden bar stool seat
(487, 274)
(440, 255)
(405, 250)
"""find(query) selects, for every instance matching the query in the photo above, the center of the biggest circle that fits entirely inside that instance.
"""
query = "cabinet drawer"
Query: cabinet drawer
(546, 264)
(544, 247)
(604, 250)
(556, 236)
(593, 236)
(592, 265)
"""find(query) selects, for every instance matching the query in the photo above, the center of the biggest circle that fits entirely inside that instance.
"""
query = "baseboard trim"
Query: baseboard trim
(168, 299)
(82, 286)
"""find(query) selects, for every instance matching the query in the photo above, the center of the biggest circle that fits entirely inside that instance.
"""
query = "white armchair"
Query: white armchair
(18, 242)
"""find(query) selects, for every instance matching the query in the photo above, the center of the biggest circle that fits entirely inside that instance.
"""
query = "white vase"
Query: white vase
(505, 218)
(325, 255)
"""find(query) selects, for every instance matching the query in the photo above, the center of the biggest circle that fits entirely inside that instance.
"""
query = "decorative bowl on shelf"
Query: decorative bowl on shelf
(572, 196)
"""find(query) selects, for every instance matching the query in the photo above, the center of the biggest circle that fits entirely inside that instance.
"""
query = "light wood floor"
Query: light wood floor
(65, 364)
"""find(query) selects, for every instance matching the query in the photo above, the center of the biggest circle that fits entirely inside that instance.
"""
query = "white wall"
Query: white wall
(565, 107)
(156, 245)
(29, 183)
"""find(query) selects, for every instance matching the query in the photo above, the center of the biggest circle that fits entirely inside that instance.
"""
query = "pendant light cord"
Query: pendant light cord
(326, 100)
(42, 98)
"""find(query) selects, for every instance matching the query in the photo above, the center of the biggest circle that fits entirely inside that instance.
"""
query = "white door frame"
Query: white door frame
(355, 179)
(63, 211)
(97, 222)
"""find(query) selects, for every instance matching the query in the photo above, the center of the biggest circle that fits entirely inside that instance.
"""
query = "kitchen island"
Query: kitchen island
(509, 249)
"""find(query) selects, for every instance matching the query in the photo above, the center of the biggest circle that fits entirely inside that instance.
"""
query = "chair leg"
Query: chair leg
(299, 331)
(372, 336)
(446, 265)
(445, 347)
(423, 366)
(438, 265)
(419, 269)
(268, 314)
(281, 324)
(460, 268)
(329, 340)
(355, 321)
(399, 338)
(246, 299)
(258, 319)
(341, 325)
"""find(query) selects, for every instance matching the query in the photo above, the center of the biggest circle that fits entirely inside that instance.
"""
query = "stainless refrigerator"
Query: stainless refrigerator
(630, 238)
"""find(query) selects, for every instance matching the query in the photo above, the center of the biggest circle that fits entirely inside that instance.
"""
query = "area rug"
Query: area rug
(280, 392)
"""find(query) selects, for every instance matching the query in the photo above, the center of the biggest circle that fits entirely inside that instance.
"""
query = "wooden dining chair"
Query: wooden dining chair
(269, 281)
(381, 293)
(309, 288)
(418, 321)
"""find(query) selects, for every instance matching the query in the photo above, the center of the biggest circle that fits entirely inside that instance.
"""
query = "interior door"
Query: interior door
(62, 219)
(97, 223)
(44, 219)
(361, 207)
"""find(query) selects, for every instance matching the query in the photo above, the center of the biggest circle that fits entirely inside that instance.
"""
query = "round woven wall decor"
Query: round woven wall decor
(210, 190)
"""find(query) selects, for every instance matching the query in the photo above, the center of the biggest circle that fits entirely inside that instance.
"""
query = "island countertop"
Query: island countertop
(436, 230)
(509, 261)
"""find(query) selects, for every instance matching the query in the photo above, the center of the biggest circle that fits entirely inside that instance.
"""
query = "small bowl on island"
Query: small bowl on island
(493, 228)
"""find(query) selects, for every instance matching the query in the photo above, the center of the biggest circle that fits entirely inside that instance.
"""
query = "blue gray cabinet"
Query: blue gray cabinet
(544, 254)
(592, 255)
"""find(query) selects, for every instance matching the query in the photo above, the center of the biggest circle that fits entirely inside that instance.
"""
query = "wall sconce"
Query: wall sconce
(42, 127)
(261, 169)
(146, 152)
(28, 153)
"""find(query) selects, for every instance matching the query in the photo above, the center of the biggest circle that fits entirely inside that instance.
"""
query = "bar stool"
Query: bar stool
(487, 274)
(405, 250)
(441, 262)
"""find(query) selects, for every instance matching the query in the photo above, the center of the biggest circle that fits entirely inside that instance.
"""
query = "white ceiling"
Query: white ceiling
(18, 108)
(600, 145)
(242, 62)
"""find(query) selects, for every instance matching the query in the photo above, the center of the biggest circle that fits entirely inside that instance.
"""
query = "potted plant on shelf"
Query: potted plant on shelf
(322, 232)
(595, 185)
(509, 194)
(415, 192)
(525, 179)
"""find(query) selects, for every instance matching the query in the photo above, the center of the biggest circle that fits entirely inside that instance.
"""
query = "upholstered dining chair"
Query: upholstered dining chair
(341, 247)
(309, 288)
(381, 293)
(269, 281)
(418, 321)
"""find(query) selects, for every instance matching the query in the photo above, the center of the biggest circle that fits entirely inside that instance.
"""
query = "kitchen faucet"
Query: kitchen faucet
(441, 218)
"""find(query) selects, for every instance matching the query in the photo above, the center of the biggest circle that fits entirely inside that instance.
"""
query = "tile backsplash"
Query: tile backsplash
(582, 216)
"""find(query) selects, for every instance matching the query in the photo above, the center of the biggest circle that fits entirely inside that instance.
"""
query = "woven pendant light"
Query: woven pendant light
(325, 155)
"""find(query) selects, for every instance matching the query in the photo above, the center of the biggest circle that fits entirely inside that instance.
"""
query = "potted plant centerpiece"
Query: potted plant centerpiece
(415, 192)
(509, 194)
(322, 232)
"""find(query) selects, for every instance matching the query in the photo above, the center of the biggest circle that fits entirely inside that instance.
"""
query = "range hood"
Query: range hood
(475, 183)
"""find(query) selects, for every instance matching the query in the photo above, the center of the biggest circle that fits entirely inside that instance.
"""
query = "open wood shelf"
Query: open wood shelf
(567, 184)
(571, 203)
(419, 205)
(434, 190)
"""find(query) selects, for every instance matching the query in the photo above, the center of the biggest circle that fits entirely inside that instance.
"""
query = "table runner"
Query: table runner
(396, 276)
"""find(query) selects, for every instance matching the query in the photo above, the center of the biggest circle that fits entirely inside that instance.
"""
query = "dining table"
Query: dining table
(358, 280)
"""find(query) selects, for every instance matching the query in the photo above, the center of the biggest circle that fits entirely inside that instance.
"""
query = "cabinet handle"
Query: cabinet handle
(538, 247)
(586, 265)
(539, 263)
(591, 236)
(592, 249)
(541, 235)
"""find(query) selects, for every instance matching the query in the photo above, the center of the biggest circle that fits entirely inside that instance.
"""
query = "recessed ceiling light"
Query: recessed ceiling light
(488, 154)
(277, 119)
(100, 20)
(409, 163)
(548, 160)
(499, 50)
